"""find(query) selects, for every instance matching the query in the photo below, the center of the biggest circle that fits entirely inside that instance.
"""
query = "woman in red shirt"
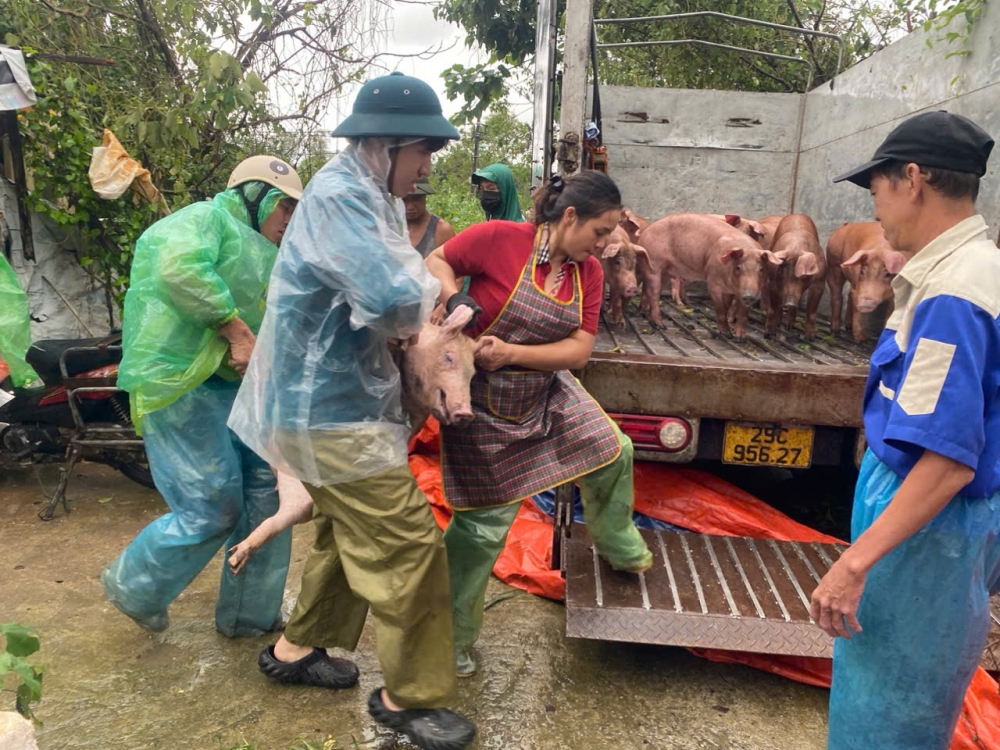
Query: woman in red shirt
(540, 289)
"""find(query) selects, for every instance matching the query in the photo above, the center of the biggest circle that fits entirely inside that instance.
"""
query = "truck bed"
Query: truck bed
(687, 369)
(690, 332)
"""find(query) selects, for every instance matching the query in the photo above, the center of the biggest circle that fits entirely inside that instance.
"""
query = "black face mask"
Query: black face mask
(491, 201)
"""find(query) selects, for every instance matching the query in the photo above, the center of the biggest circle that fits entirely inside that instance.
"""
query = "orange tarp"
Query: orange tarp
(705, 504)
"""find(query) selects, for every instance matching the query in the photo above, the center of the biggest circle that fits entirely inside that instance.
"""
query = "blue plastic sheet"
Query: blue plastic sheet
(218, 492)
(546, 502)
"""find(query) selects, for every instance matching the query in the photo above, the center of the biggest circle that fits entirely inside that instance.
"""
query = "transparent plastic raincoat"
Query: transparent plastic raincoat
(15, 326)
(321, 397)
(194, 271)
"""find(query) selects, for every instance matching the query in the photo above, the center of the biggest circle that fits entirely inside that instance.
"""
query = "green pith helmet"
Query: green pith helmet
(423, 187)
(396, 106)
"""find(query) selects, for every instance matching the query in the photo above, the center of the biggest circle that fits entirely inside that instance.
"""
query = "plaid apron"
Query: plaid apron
(533, 430)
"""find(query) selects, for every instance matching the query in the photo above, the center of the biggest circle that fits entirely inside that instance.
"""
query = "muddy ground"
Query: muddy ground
(109, 685)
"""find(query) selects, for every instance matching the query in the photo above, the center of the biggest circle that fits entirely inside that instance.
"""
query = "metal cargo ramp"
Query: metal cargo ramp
(730, 593)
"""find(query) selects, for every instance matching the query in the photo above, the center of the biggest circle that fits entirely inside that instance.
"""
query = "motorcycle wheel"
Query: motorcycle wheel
(138, 472)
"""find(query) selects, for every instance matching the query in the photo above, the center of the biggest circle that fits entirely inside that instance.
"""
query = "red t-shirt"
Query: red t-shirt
(493, 254)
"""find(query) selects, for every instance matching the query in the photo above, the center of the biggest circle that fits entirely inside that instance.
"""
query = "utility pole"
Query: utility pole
(576, 63)
(545, 70)
(477, 136)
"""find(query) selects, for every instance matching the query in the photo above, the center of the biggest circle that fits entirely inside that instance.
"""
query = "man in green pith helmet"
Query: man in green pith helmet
(321, 400)
(498, 193)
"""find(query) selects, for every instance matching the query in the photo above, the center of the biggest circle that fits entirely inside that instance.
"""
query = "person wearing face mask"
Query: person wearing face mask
(321, 401)
(498, 193)
(540, 289)
(195, 302)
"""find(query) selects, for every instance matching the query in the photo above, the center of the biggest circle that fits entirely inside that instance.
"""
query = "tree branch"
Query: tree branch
(111, 12)
(773, 76)
(280, 118)
(78, 59)
(151, 22)
(819, 17)
(809, 44)
(64, 11)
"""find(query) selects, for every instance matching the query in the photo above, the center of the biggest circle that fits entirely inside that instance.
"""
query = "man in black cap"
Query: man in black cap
(427, 231)
(925, 554)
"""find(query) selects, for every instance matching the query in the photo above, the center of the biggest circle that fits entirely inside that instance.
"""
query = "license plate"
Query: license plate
(752, 444)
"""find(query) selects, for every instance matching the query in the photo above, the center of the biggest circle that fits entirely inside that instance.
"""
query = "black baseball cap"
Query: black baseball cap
(932, 139)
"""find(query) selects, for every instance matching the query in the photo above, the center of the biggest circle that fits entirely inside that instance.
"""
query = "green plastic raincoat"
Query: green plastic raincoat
(501, 175)
(193, 272)
(15, 332)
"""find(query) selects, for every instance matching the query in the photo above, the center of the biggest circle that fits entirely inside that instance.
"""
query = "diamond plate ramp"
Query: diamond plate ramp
(730, 593)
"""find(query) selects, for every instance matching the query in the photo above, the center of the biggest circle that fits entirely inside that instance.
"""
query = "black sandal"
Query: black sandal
(316, 669)
(428, 728)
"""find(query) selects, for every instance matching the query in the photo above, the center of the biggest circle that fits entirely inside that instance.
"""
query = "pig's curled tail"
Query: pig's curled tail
(590, 193)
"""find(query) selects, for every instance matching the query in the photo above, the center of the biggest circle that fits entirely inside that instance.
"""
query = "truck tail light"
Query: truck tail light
(664, 434)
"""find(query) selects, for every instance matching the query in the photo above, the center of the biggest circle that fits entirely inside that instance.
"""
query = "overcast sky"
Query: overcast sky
(414, 30)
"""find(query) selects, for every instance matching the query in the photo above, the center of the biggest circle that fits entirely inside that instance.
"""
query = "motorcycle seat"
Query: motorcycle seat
(44, 356)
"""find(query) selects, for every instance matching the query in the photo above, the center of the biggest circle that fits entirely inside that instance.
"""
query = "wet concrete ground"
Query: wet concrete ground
(110, 685)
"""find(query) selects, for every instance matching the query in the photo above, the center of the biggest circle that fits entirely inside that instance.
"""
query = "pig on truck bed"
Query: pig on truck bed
(436, 373)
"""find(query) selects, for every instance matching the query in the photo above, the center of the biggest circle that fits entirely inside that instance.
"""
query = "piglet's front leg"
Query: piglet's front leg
(295, 506)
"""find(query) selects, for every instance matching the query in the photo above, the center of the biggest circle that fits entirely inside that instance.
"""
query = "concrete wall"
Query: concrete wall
(674, 150)
(846, 121)
(56, 261)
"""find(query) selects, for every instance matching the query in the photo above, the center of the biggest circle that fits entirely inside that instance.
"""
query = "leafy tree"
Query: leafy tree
(505, 28)
(505, 139)
(190, 87)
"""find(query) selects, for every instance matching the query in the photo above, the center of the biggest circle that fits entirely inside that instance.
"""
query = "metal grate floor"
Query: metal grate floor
(730, 593)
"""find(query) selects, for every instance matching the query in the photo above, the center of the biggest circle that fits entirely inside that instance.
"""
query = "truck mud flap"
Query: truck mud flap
(730, 593)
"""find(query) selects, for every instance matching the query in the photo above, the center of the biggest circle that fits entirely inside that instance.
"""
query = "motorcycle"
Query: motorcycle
(77, 412)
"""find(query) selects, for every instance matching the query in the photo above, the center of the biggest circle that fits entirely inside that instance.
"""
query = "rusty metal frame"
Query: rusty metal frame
(735, 19)
(84, 436)
(716, 45)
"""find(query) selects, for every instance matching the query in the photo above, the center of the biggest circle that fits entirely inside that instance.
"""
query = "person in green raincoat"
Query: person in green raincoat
(15, 331)
(196, 300)
(498, 193)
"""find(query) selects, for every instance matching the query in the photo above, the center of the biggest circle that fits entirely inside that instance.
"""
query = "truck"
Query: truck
(683, 392)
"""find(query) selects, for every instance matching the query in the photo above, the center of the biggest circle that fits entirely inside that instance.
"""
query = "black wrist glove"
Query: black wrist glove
(463, 299)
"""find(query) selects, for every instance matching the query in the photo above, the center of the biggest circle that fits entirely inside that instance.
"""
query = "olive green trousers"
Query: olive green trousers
(475, 538)
(378, 547)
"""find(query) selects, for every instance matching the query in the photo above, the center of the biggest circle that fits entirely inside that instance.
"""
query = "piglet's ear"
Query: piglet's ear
(806, 265)
(861, 256)
(642, 258)
(894, 262)
(733, 220)
(732, 254)
(457, 321)
(611, 250)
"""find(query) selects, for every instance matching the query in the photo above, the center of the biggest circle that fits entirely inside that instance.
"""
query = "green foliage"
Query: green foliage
(189, 93)
(21, 642)
(938, 19)
(504, 139)
(505, 28)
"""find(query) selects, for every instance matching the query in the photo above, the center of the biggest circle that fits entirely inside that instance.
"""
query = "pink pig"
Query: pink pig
(693, 247)
(749, 227)
(796, 244)
(436, 372)
(860, 254)
(621, 261)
